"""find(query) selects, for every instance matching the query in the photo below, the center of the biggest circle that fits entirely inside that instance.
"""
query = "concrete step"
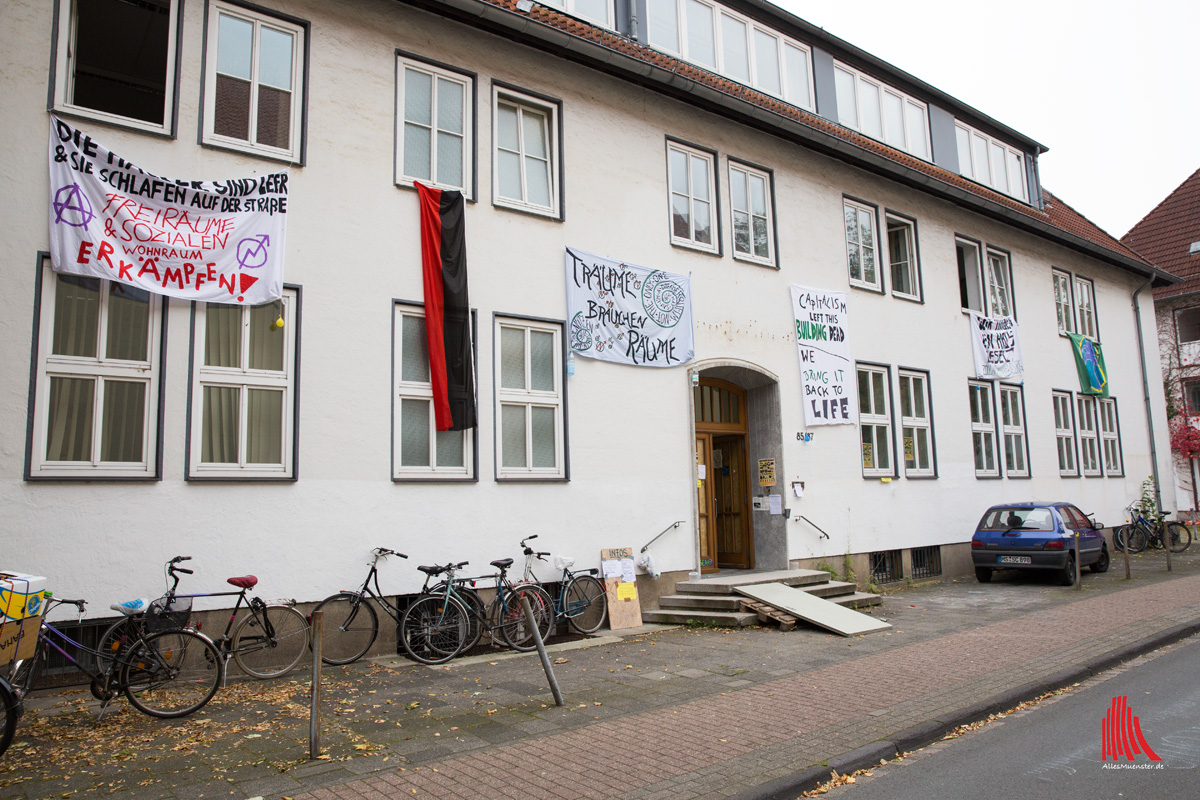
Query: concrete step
(702, 602)
(856, 600)
(831, 589)
(724, 619)
(724, 584)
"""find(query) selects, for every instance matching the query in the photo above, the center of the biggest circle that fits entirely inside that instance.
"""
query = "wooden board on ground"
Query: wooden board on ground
(624, 607)
(813, 609)
(767, 613)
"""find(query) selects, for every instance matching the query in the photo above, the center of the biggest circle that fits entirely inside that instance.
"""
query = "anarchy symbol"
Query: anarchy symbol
(71, 207)
(252, 251)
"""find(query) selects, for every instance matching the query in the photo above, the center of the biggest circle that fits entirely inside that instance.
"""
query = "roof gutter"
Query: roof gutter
(491, 17)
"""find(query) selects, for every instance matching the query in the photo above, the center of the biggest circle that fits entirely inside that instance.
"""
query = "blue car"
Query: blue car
(1037, 536)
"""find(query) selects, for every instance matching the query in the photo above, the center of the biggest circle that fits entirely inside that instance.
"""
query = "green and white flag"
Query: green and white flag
(1089, 362)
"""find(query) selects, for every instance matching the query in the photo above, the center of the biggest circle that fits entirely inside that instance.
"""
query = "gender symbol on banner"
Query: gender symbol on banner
(252, 251)
(663, 299)
(581, 334)
(72, 199)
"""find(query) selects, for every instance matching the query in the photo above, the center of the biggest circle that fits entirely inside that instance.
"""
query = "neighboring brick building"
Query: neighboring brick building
(1169, 238)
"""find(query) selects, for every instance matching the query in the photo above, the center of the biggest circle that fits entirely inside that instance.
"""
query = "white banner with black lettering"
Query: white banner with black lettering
(826, 371)
(628, 314)
(220, 242)
(996, 347)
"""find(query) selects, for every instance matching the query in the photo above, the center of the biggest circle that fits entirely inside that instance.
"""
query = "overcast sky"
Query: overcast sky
(1111, 87)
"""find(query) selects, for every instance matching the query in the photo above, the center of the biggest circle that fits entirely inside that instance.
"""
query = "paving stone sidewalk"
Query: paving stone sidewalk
(679, 713)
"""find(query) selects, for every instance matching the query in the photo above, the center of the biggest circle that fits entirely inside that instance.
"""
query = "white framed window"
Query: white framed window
(254, 82)
(719, 39)
(916, 424)
(902, 257)
(875, 421)
(1089, 443)
(419, 449)
(984, 280)
(999, 285)
(435, 125)
(99, 366)
(1110, 437)
(1012, 428)
(526, 173)
(529, 400)
(597, 11)
(1064, 434)
(693, 190)
(983, 430)
(127, 85)
(1063, 309)
(991, 162)
(862, 252)
(243, 399)
(1085, 305)
(882, 112)
(750, 207)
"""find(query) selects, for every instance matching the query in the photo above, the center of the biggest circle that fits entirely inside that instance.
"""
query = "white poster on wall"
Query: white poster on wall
(996, 346)
(628, 314)
(215, 241)
(826, 371)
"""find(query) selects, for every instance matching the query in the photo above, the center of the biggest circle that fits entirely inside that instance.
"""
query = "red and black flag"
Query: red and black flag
(447, 308)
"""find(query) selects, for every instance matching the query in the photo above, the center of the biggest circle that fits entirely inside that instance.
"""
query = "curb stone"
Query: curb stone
(925, 733)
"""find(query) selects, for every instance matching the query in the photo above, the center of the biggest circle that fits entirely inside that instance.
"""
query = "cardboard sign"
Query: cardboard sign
(624, 608)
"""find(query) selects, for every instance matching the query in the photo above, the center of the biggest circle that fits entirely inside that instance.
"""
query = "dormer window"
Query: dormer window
(882, 112)
(991, 162)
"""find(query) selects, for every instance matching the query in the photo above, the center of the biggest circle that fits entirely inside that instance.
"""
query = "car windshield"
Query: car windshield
(1026, 519)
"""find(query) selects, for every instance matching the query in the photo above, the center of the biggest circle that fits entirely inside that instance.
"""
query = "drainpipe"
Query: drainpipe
(1137, 316)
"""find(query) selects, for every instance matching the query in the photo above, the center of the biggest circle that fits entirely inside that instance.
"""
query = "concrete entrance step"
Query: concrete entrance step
(684, 616)
(703, 602)
(856, 600)
(725, 584)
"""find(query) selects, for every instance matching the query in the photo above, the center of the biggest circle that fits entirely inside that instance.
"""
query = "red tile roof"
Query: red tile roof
(1164, 237)
(1056, 214)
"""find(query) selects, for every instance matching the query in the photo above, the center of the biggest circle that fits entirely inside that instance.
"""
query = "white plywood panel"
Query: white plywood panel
(811, 608)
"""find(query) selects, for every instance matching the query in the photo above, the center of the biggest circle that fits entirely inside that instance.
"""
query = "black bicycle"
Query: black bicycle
(581, 599)
(351, 623)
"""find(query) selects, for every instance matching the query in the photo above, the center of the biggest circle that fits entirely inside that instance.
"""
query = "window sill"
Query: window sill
(688, 244)
(407, 183)
(769, 263)
(911, 298)
(874, 288)
(127, 123)
(434, 479)
(247, 149)
(532, 479)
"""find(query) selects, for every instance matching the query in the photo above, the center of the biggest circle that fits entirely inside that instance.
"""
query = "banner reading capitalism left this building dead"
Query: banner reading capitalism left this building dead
(214, 241)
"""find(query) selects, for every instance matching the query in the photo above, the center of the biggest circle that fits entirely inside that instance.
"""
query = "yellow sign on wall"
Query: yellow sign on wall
(766, 472)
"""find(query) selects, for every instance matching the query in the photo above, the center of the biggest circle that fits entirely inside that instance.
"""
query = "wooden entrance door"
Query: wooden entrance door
(723, 491)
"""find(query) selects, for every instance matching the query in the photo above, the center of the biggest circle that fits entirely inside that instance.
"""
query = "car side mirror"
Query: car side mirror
(1096, 526)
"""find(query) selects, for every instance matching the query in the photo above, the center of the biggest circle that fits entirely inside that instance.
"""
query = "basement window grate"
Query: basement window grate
(58, 671)
(887, 566)
(926, 562)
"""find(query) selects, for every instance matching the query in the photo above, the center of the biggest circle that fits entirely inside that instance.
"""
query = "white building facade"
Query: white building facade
(732, 143)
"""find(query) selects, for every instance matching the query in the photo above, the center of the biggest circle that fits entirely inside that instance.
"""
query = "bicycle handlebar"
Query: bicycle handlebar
(383, 552)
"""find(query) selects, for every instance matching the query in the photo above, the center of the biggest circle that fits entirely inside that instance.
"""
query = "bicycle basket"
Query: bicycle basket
(168, 614)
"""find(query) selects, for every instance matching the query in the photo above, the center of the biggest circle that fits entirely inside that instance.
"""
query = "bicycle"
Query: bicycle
(449, 618)
(164, 673)
(351, 623)
(1142, 532)
(266, 643)
(581, 598)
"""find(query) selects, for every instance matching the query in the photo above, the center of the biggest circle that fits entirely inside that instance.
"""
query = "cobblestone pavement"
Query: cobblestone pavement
(674, 713)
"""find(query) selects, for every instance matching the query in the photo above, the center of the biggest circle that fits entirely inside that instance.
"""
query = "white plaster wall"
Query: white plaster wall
(354, 248)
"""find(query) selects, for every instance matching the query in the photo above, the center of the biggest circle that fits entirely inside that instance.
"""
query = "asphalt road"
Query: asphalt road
(1053, 750)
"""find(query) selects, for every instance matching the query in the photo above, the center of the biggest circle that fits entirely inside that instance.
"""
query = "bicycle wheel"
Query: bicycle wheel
(1118, 538)
(117, 636)
(170, 673)
(1135, 539)
(350, 628)
(1179, 535)
(270, 641)
(476, 615)
(10, 711)
(585, 604)
(434, 629)
(509, 618)
(25, 677)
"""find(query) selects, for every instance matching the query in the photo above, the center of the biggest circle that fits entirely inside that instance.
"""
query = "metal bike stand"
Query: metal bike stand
(316, 629)
(541, 648)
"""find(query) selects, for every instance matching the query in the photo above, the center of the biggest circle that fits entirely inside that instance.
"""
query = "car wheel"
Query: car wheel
(1102, 563)
(984, 574)
(1067, 578)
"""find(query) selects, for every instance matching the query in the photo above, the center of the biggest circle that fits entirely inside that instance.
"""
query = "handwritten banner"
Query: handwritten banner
(220, 242)
(996, 347)
(628, 314)
(826, 370)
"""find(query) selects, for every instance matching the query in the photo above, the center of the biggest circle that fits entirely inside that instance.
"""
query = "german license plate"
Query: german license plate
(1016, 560)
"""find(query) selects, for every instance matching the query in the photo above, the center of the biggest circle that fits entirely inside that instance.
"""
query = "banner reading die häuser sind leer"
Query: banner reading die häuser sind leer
(215, 241)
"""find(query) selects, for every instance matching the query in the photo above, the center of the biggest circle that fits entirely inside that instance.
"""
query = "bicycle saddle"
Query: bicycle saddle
(131, 607)
(244, 582)
(502, 563)
(432, 570)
